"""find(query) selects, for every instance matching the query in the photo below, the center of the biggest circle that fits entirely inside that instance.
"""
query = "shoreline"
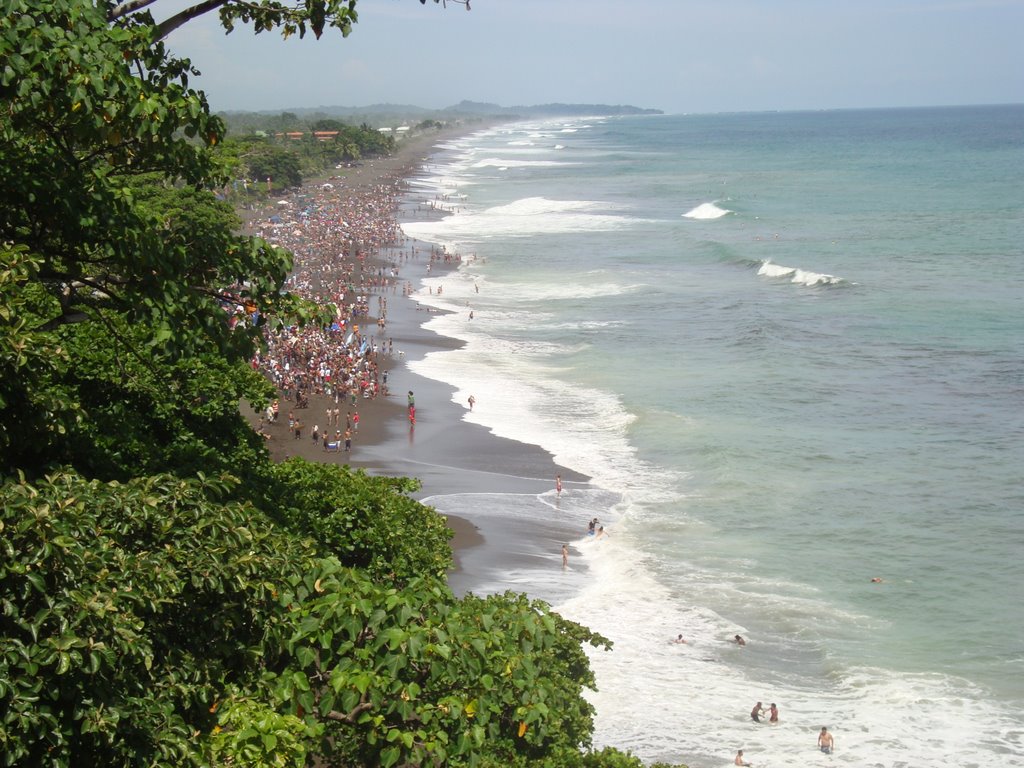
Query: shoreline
(447, 454)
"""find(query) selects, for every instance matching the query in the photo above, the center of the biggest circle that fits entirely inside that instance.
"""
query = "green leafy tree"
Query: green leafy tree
(372, 142)
(156, 622)
(88, 108)
(411, 677)
(100, 396)
(249, 732)
(30, 358)
(355, 517)
(278, 167)
(126, 611)
(143, 415)
(327, 124)
(107, 219)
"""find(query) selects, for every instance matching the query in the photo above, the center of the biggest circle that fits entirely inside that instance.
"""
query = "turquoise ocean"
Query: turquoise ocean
(788, 348)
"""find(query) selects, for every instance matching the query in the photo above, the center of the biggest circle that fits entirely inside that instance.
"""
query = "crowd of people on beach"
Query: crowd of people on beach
(335, 238)
(348, 251)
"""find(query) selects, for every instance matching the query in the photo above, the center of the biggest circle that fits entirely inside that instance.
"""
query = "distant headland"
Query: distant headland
(463, 109)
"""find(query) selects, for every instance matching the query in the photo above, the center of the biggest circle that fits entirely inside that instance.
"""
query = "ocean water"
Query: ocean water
(788, 349)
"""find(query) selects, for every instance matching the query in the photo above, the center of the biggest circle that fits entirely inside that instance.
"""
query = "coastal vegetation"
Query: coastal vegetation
(263, 153)
(168, 595)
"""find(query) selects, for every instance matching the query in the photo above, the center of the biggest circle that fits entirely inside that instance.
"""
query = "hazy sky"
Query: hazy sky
(673, 55)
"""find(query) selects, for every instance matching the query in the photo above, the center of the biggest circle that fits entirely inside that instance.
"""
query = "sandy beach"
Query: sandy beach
(368, 254)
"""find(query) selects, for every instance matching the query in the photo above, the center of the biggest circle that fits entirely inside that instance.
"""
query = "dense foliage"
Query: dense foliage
(266, 154)
(87, 110)
(168, 596)
(356, 517)
(138, 617)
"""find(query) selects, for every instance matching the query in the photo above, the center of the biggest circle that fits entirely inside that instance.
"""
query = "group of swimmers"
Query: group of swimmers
(594, 528)
(826, 742)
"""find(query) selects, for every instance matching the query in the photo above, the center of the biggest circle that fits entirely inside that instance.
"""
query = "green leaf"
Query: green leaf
(389, 756)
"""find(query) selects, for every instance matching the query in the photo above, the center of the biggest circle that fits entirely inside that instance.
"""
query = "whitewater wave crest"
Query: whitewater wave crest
(797, 275)
(706, 211)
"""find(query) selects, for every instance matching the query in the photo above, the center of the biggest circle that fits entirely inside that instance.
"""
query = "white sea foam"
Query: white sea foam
(582, 427)
(430, 189)
(588, 286)
(529, 148)
(699, 694)
(521, 218)
(796, 275)
(504, 162)
(706, 211)
(518, 309)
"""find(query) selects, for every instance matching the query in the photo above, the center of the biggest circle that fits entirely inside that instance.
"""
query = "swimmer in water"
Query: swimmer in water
(825, 741)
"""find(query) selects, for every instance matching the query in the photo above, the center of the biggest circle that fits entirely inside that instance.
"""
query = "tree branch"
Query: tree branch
(349, 718)
(124, 9)
(165, 27)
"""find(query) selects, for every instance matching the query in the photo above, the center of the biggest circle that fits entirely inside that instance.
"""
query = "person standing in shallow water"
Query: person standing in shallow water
(558, 485)
(825, 741)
